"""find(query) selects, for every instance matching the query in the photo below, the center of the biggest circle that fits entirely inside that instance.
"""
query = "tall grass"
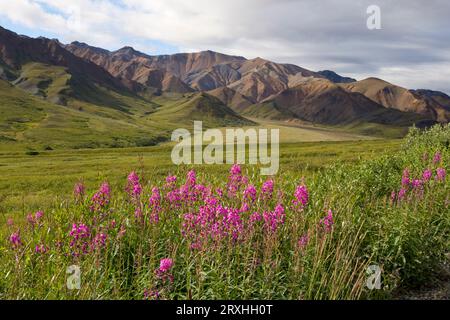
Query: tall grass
(284, 239)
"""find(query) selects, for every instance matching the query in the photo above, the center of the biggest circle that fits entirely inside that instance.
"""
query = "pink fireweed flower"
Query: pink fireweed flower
(427, 174)
(303, 241)
(154, 218)
(437, 158)
(273, 219)
(440, 174)
(171, 181)
(250, 192)
(267, 189)
(211, 202)
(137, 189)
(393, 196)
(401, 194)
(138, 214)
(174, 197)
(163, 271)
(235, 180)
(101, 198)
(235, 170)
(35, 219)
(80, 235)
(165, 265)
(191, 178)
(79, 191)
(10, 222)
(133, 187)
(99, 240)
(416, 183)
(38, 215)
(405, 178)
(201, 192)
(133, 178)
(254, 217)
(30, 218)
(301, 196)
(185, 194)
(232, 224)
(328, 221)
(244, 208)
(80, 231)
(155, 199)
(41, 249)
(15, 240)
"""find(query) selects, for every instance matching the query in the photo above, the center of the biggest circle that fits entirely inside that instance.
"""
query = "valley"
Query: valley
(87, 179)
(55, 96)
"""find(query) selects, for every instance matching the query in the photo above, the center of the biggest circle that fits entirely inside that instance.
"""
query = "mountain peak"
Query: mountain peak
(129, 52)
(334, 77)
(126, 49)
(80, 44)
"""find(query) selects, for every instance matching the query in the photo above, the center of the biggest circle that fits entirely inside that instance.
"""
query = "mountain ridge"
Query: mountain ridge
(254, 80)
(130, 89)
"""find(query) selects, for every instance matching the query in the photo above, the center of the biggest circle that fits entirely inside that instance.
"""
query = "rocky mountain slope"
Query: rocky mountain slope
(127, 88)
(249, 82)
(396, 97)
(321, 101)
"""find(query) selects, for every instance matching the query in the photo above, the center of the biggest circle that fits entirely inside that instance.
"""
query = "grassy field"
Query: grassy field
(30, 182)
(216, 232)
(338, 204)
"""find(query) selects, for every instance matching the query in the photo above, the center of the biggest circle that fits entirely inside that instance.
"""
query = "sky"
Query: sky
(411, 49)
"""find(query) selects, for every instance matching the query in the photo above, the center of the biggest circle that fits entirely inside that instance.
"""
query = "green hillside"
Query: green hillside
(198, 106)
(33, 123)
(91, 116)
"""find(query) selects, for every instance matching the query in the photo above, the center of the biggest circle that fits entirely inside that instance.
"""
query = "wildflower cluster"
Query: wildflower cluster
(101, 198)
(414, 186)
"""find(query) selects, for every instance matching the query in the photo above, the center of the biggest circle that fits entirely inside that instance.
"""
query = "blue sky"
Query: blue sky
(412, 49)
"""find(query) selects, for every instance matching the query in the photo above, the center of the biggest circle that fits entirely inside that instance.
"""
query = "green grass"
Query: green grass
(32, 123)
(101, 135)
(49, 82)
(201, 107)
(406, 237)
(30, 182)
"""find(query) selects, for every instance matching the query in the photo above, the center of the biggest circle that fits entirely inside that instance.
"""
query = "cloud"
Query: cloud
(413, 46)
(31, 14)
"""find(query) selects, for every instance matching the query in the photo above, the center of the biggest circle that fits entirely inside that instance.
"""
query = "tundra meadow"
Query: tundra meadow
(196, 235)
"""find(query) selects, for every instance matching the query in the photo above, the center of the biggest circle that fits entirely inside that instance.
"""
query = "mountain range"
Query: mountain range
(129, 94)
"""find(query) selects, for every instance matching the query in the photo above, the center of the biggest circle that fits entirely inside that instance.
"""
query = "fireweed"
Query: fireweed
(191, 236)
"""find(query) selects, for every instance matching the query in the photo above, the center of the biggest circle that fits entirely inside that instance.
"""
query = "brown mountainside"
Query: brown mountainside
(321, 101)
(256, 87)
(17, 50)
(255, 79)
(396, 97)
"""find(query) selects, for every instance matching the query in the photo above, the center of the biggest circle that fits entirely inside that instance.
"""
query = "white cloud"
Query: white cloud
(31, 15)
(410, 48)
